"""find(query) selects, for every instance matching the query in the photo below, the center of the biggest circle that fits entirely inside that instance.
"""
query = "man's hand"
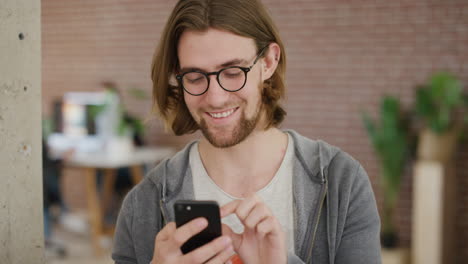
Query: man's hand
(170, 239)
(263, 240)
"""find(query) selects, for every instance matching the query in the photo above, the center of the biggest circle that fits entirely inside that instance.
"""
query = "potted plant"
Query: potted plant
(390, 139)
(442, 107)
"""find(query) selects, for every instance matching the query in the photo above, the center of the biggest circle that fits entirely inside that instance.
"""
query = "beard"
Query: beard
(239, 133)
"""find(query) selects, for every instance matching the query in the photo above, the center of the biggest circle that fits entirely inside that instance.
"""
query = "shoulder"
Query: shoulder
(319, 157)
(164, 175)
(140, 197)
(325, 162)
(169, 173)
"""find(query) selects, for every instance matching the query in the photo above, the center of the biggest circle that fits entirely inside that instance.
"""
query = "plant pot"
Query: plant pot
(389, 240)
(395, 256)
(437, 147)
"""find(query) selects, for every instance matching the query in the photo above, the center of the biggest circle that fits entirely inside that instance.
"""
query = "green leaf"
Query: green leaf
(437, 102)
(389, 137)
(138, 93)
(123, 128)
(95, 110)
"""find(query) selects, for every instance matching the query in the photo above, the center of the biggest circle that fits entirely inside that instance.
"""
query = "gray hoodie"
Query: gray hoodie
(335, 213)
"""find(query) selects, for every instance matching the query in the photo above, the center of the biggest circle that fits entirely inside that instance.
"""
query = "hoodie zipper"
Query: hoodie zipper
(163, 213)
(309, 256)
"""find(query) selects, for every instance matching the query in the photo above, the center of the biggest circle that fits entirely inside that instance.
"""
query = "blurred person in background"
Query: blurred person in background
(51, 173)
(220, 68)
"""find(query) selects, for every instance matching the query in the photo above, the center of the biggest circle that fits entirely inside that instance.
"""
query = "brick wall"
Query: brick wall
(342, 57)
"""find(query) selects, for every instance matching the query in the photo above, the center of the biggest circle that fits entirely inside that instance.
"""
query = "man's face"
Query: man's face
(225, 118)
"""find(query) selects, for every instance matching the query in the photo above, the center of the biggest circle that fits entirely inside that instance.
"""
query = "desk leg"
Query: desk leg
(108, 189)
(94, 207)
(137, 174)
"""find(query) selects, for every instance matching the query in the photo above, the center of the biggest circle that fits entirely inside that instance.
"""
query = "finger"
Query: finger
(258, 213)
(207, 251)
(269, 226)
(166, 232)
(236, 238)
(229, 208)
(222, 257)
(246, 206)
(163, 249)
(185, 232)
(226, 230)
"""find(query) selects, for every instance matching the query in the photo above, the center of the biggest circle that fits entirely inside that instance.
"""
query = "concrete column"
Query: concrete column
(21, 220)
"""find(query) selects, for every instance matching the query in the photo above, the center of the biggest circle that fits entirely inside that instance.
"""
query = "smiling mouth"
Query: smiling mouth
(222, 114)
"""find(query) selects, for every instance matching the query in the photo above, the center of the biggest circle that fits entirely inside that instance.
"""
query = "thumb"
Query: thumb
(236, 238)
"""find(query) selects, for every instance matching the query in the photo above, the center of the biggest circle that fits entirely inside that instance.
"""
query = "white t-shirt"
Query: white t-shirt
(277, 194)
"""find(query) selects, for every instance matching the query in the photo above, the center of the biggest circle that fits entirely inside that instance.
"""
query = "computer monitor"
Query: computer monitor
(79, 113)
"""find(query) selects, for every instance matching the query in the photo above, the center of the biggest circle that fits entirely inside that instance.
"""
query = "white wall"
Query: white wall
(21, 221)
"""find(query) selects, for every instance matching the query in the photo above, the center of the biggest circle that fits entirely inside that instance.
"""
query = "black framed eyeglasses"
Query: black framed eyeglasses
(231, 79)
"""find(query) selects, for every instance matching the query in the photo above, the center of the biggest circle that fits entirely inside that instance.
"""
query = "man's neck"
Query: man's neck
(248, 166)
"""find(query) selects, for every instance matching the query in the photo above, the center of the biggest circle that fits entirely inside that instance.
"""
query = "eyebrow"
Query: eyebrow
(234, 62)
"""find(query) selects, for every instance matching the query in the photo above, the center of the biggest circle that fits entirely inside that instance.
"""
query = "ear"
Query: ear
(270, 61)
(172, 80)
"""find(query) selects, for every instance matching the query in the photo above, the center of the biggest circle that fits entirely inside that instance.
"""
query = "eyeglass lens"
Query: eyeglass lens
(230, 79)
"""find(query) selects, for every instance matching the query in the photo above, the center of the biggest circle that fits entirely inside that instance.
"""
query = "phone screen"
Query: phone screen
(187, 210)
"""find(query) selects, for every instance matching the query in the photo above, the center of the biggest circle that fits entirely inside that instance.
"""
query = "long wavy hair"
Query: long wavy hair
(246, 18)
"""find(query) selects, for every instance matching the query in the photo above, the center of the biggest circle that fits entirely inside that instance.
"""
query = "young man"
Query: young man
(220, 68)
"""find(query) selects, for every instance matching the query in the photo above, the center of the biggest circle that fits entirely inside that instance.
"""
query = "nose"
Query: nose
(216, 96)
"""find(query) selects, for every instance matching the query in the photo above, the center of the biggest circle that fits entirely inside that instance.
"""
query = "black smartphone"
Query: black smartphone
(187, 210)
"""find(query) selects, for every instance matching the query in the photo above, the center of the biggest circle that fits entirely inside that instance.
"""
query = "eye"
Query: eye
(232, 73)
(194, 78)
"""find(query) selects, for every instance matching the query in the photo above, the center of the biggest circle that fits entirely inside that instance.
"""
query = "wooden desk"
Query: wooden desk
(91, 162)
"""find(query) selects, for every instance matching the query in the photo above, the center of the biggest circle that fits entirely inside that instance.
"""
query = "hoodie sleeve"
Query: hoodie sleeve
(123, 251)
(360, 226)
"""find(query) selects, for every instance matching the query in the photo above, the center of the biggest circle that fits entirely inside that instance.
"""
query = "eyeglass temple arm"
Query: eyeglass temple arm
(259, 55)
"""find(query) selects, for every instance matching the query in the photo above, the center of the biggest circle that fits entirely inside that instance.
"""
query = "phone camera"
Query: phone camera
(189, 208)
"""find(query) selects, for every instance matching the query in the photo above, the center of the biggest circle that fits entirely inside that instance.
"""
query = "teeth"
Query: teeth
(223, 114)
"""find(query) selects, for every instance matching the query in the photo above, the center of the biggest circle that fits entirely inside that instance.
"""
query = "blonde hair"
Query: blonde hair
(247, 18)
